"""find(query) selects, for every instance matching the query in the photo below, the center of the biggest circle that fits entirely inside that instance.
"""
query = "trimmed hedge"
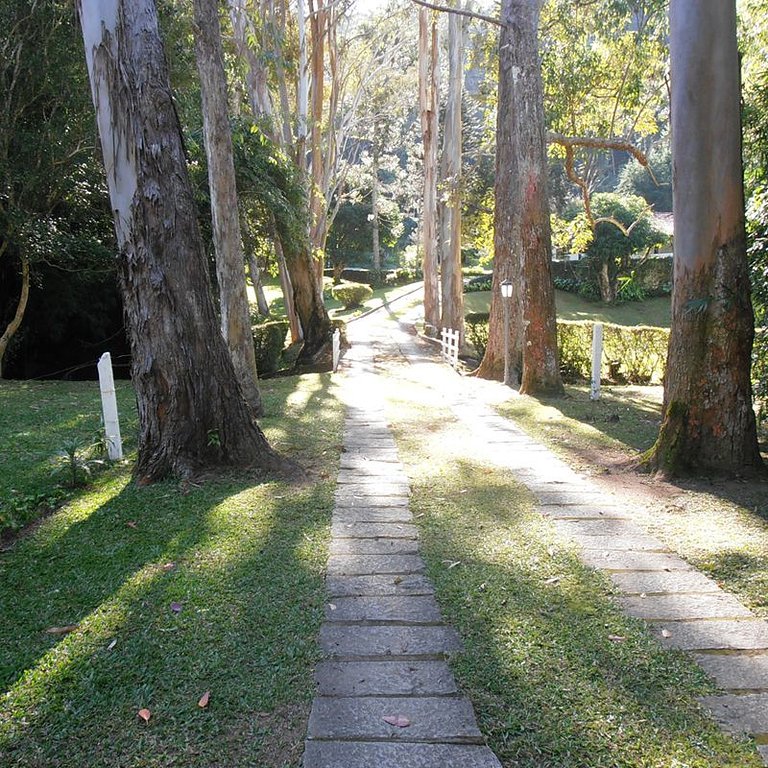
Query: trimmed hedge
(269, 342)
(351, 294)
(632, 354)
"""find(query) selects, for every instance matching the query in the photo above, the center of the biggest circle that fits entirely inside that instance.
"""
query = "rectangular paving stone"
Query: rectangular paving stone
(633, 561)
(372, 486)
(683, 606)
(372, 515)
(368, 466)
(394, 478)
(713, 635)
(349, 586)
(605, 526)
(335, 754)
(739, 714)
(736, 671)
(360, 565)
(439, 719)
(638, 542)
(374, 546)
(583, 512)
(366, 641)
(373, 530)
(345, 499)
(421, 609)
(384, 678)
(660, 582)
(574, 498)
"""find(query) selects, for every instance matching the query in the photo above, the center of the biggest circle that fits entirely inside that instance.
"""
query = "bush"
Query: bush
(269, 342)
(479, 283)
(351, 294)
(403, 276)
(476, 330)
(634, 354)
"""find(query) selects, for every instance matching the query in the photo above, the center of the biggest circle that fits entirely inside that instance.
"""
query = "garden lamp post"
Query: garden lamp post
(506, 298)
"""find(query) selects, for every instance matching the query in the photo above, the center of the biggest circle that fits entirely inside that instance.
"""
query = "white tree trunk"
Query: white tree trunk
(230, 259)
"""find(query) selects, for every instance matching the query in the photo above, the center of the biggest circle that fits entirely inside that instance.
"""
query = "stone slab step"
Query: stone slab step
(683, 606)
(372, 514)
(660, 582)
(350, 586)
(573, 498)
(431, 719)
(604, 527)
(372, 486)
(339, 754)
(744, 635)
(414, 609)
(638, 542)
(736, 672)
(371, 641)
(379, 546)
(634, 561)
(362, 565)
(739, 714)
(384, 678)
(365, 500)
(395, 478)
(582, 511)
(361, 530)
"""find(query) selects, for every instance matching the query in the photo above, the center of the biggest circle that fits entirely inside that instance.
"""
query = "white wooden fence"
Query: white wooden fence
(449, 345)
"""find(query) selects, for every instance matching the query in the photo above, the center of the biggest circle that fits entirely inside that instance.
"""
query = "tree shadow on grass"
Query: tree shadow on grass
(173, 594)
(550, 686)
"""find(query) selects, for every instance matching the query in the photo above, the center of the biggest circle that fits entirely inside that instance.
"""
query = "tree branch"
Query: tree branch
(461, 12)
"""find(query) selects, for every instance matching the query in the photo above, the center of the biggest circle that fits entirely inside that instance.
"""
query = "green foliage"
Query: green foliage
(476, 329)
(76, 462)
(351, 295)
(757, 221)
(636, 180)
(482, 282)
(269, 342)
(403, 276)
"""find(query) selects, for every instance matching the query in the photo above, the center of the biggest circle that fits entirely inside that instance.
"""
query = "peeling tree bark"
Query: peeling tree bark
(230, 259)
(709, 424)
(522, 238)
(428, 102)
(192, 415)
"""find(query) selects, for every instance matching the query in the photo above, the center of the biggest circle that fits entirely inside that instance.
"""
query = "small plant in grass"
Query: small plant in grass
(352, 295)
(75, 463)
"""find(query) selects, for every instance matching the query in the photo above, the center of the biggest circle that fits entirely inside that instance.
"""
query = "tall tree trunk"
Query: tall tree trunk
(302, 90)
(708, 423)
(375, 207)
(428, 102)
(258, 287)
(317, 202)
(230, 259)
(522, 238)
(18, 315)
(287, 288)
(452, 315)
(192, 414)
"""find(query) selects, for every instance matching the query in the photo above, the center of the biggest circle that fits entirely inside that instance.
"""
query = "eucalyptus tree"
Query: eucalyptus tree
(192, 414)
(708, 423)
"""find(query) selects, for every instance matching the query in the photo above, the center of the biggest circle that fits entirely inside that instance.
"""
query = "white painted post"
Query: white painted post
(336, 349)
(597, 360)
(109, 408)
(454, 348)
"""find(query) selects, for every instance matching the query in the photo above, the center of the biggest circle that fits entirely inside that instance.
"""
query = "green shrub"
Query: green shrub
(634, 354)
(476, 329)
(403, 276)
(351, 294)
(269, 341)
(477, 284)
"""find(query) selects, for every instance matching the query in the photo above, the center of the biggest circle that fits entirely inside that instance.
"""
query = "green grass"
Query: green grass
(654, 312)
(36, 421)
(549, 685)
(245, 561)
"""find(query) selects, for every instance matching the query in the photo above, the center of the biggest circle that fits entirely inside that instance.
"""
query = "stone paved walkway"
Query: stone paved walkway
(384, 638)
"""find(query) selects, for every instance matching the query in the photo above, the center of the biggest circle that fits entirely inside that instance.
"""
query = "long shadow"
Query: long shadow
(550, 686)
(248, 588)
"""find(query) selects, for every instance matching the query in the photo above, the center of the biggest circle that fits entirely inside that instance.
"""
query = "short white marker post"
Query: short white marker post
(336, 349)
(109, 408)
(597, 360)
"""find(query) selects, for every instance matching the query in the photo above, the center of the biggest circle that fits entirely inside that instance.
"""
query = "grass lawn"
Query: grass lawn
(129, 599)
(654, 312)
(557, 674)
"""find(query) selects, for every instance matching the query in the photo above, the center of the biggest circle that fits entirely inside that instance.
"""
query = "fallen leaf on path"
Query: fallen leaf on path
(617, 638)
(332, 606)
(62, 630)
(452, 563)
(169, 566)
(666, 633)
(144, 714)
(553, 580)
(112, 644)
(176, 607)
(399, 721)
(132, 524)
(203, 703)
